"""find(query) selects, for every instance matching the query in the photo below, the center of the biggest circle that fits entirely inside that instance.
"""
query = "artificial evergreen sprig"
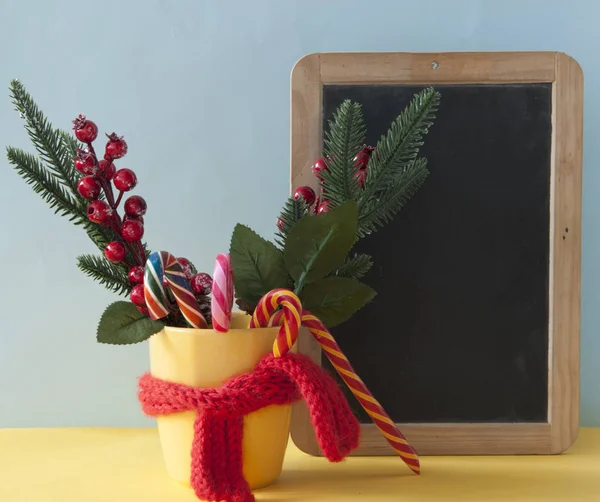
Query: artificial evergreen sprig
(110, 275)
(378, 181)
(77, 184)
(293, 211)
(355, 267)
(393, 174)
(56, 154)
(393, 198)
(53, 176)
(343, 140)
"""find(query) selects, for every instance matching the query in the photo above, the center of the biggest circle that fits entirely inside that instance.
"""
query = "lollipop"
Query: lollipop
(163, 264)
(222, 294)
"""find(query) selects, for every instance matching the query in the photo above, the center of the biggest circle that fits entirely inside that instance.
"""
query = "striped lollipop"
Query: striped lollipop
(291, 309)
(163, 264)
(266, 314)
(222, 294)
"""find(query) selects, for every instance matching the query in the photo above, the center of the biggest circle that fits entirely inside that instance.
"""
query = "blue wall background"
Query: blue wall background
(200, 89)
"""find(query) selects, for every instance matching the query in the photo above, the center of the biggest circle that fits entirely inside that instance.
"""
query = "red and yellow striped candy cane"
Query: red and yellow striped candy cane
(373, 408)
(291, 309)
(266, 314)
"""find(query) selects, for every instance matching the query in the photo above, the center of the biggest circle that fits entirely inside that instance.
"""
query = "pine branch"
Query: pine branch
(50, 143)
(343, 140)
(396, 195)
(54, 193)
(400, 146)
(112, 276)
(45, 184)
(292, 213)
(355, 267)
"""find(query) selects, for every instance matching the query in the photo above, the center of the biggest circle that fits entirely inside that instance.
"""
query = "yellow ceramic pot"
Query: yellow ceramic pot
(205, 358)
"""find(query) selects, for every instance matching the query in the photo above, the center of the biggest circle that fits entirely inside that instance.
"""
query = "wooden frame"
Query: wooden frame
(314, 71)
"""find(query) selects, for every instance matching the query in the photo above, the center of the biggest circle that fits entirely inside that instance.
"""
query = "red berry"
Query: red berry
(85, 130)
(136, 275)
(362, 158)
(323, 207)
(318, 167)
(115, 251)
(316, 206)
(107, 169)
(188, 268)
(307, 193)
(115, 148)
(125, 180)
(143, 310)
(135, 206)
(89, 187)
(132, 230)
(360, 175)
(201, 283)
(137, 295)
(84, 161)
(136, 218)
(99, 211)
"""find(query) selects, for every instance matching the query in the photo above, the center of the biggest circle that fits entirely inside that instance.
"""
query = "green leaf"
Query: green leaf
(122, 324)
(318, 244)
(335, 299)
(258, 266)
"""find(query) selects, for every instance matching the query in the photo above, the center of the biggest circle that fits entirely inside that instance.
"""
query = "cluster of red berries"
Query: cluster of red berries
(97, 178)
(320, 205)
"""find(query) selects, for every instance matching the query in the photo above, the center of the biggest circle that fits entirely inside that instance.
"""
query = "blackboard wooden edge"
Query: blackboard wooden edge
(565, 257)
(317, 69)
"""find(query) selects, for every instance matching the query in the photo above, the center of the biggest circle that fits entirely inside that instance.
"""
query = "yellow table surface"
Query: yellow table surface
(114, 465)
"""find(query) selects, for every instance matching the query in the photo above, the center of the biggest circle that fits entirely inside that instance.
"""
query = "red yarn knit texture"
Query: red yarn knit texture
(217, 447)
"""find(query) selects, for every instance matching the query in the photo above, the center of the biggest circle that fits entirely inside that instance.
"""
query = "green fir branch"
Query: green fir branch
(112, 276)
(397, 194)
(45, 184)
(293, 211)
(355, 267)
(343, 140)
(48, 141)
(399, 147)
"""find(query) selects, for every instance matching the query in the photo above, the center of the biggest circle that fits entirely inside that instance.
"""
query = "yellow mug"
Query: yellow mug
(205, 358)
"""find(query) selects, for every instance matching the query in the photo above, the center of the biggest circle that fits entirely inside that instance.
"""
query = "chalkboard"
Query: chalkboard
(462, 271)
(472, 344)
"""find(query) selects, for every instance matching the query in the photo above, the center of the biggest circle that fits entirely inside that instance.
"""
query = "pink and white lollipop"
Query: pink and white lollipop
(222, 294)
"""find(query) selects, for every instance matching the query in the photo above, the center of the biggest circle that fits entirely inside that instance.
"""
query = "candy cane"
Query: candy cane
(222, 294)
(163, 264)
(290, 313)
(266, 315)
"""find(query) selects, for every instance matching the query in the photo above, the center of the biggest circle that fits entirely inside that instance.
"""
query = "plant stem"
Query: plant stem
(142, 252)
(105, 185)
(119, 199)
(116, 222)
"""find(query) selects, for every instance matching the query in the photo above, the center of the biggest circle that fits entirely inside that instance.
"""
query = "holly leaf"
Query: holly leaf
(258, 266)
(316, 245)
(335, 299)
(122, 324)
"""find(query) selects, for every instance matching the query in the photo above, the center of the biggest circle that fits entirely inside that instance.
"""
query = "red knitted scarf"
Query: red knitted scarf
(217, 447)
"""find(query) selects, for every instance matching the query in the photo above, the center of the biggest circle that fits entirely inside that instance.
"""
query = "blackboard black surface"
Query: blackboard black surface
(459, 329)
